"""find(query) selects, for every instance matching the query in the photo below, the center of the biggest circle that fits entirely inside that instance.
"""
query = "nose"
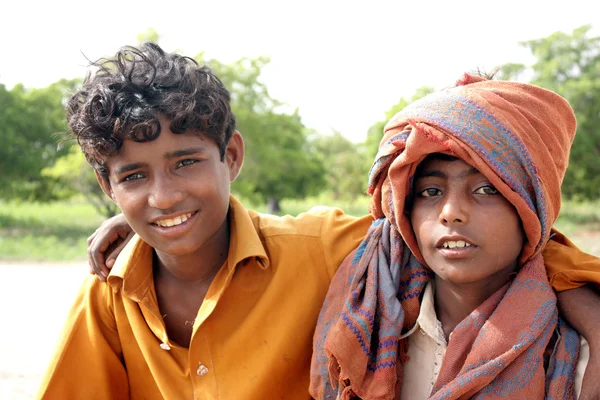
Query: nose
(454, 209)
(164, 193)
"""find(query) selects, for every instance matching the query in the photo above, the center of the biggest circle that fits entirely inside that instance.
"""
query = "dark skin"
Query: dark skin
(454, 204)
(180, 296)
(174, 191)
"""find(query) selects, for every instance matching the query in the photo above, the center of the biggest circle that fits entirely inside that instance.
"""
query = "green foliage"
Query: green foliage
(569, 64)
(510, 71)
(280, 162)
(345, 163)
(358, 206)
(77, 176)
(151, 35)
(30, 121)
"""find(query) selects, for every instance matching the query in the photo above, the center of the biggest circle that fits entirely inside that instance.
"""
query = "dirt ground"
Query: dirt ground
(34, 299)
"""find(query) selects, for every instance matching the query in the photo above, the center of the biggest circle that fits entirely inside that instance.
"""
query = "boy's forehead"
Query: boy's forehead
(445, 166)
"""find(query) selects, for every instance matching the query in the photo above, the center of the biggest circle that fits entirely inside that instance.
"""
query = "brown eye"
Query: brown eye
(186, 162)
(430, 192)
(487, 190)
(133, 177)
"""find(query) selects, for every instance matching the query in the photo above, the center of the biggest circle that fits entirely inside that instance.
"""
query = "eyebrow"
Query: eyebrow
(436, 173)
(168, 156)
(128, 167)
(184, 152)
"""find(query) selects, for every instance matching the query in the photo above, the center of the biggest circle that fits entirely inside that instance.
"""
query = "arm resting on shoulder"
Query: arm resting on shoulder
(105, 244)
(88, 360)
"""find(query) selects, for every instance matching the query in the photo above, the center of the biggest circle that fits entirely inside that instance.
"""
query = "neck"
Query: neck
(454, 302)
(199, 267)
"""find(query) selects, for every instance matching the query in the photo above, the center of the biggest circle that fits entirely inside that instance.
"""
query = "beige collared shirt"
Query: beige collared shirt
(427, 347)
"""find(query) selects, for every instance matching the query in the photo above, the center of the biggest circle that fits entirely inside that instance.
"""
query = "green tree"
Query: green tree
(569, 64)
(280, 161)
(30, 122)
(345, 163)
(76, 175)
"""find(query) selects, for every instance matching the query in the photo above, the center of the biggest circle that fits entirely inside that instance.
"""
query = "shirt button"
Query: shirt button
(202, 370)
(165, 346)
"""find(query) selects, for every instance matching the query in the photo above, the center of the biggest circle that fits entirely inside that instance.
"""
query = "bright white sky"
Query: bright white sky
(342, 63)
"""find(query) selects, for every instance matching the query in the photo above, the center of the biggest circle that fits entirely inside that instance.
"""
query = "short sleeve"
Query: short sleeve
(567, 266)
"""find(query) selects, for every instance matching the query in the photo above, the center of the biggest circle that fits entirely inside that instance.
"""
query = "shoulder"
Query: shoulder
(314, 223)
(93, 305)
(97, 295)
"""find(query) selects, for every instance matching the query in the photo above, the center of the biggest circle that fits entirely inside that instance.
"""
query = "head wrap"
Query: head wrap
(517, 135)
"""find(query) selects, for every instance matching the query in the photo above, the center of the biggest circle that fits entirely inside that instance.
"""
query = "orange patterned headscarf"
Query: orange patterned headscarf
(519, 137)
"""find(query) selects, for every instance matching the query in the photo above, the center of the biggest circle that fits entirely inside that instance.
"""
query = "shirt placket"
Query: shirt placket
(200, 362)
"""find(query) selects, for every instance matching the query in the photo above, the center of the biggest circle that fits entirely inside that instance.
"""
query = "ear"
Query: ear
(234, 155)
(105, 185)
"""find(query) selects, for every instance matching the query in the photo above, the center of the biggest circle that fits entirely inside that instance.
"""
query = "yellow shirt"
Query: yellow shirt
(252, 338)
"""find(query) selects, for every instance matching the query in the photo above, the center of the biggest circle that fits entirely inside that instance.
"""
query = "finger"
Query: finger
(117, 249)
(91, 260)
(90, 238)
(96, 253)
(113, 253)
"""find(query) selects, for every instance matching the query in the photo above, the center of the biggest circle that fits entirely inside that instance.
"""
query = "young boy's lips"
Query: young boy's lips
(181, 224)
(457, 252)
(455, 246)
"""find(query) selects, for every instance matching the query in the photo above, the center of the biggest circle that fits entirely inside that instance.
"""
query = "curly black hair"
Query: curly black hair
(124, 96)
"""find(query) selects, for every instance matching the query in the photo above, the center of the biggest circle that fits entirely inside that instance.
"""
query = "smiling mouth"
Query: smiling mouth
(171, 222)
(455, 244)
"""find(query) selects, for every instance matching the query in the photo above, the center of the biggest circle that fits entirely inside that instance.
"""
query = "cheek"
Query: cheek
(421, 223)
(127, 201)
(509, 233)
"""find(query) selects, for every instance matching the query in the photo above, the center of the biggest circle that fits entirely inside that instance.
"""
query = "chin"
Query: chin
(457, 277)
(175, 249)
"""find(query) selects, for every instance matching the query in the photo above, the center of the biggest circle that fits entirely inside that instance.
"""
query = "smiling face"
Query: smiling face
(174, 190)
(466, 230)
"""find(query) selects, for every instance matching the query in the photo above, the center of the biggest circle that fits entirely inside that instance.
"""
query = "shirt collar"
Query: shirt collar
(427, 319)
(245, 241)
(133, 268)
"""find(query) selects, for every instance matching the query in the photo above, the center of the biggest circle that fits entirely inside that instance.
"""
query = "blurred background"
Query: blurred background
(313, 83)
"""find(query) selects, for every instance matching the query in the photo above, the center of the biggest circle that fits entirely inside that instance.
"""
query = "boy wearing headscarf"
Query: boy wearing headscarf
(447, 297)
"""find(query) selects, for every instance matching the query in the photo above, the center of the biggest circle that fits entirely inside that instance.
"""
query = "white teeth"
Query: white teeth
(167, 223)
(451, 244)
